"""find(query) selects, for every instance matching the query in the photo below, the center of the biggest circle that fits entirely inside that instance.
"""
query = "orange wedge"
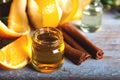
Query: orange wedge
(17, 21)
(44, 13)
(69, 8)
(16, 54)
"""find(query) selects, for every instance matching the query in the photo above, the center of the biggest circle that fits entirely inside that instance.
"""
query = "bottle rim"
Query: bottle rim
(50, 30)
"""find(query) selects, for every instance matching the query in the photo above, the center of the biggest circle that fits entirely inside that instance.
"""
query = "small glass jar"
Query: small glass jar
(4, 10)
(47, 49)
(92, 17)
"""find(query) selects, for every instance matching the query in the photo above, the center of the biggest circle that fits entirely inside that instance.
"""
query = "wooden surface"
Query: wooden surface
(108, 68)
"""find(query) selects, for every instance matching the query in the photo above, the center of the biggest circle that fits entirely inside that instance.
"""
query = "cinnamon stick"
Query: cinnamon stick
(76, 56)
(74, 51)
(91, 48)
(72, 42)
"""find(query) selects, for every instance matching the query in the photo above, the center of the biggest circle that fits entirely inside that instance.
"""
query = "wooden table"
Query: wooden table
(108, 68)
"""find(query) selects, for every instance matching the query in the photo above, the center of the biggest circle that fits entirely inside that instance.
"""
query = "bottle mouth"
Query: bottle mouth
(48, 36)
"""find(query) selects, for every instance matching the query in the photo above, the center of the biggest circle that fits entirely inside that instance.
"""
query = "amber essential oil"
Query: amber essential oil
(47, 50)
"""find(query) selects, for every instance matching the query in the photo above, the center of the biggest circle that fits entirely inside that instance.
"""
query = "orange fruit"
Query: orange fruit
(44, 13)
(16, 54)
(17, 21)
(69, 8)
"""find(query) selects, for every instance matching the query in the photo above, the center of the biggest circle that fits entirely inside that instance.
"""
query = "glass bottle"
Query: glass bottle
(92, 17)
(47, 49)
(4, 10)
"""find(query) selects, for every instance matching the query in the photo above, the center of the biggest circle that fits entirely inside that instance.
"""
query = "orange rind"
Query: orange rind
(17, 21)
(81, 6)
(44, 13)
(69, 8)
(55, 12)
(7, 33)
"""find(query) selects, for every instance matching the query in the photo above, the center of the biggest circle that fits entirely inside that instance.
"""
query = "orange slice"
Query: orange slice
(44, 13)
(17, 21)
(69, 8)
(15, 55)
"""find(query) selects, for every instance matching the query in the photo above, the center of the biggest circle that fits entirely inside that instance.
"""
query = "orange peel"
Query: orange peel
(69, 8)
(55, 12)
(7, 33)
(44, 13)
(81, 5)
(17, 21)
